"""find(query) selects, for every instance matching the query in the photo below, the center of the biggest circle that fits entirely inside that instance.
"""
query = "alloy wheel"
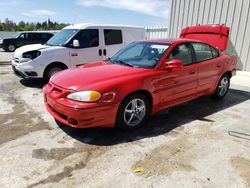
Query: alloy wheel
(223, 86)
(134, 112)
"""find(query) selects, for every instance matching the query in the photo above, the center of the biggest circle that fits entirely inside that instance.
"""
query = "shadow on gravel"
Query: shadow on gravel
(38, 83)
(159, 124)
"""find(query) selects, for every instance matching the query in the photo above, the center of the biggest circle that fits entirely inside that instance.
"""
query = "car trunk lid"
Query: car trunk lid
(215, 35)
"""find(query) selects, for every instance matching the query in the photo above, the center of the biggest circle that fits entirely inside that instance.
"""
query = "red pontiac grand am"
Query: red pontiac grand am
(142, 79)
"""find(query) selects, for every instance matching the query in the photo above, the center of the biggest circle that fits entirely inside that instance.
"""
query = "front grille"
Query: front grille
(56, 91)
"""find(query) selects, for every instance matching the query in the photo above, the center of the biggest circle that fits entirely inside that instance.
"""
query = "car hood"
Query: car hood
(86, 76)
(23, 49)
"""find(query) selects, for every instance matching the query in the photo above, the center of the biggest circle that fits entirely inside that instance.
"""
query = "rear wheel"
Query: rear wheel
(11, 47)
(222, 87)
(51, 70)
(133, 112)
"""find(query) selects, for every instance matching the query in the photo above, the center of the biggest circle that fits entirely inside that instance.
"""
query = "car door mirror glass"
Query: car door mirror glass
(76, 43)
(172, 65)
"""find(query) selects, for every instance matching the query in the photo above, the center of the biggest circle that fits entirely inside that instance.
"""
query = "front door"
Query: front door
(179, 86)
(90, 49)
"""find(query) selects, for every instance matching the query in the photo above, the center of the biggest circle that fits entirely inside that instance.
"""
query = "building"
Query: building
(232, 13)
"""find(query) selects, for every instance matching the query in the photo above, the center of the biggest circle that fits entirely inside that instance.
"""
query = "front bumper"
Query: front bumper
(28, 70)
(94, 115)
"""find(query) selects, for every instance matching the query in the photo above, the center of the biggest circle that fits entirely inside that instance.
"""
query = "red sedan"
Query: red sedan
(142, 79)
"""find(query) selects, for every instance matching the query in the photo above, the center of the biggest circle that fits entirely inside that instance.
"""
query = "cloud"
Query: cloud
(157, 8)
(40, 12)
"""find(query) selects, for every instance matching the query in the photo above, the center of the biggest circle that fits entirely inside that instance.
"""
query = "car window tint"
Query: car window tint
(88, 38)
(44, 36)
(183, 53)
(214, 52)
(202, 51)
(112, 36)
(30, 36)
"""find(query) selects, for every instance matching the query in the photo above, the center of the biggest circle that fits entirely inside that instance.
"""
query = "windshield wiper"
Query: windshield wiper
(121, 62)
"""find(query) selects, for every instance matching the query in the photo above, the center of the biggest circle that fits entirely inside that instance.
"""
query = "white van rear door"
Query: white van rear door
(113, 41)
(90, 47)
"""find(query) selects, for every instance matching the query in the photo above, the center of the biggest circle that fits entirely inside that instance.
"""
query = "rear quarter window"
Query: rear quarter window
(214, 52)
(112, 36)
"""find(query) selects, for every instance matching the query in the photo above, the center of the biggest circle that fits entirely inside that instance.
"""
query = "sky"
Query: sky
(128, 12)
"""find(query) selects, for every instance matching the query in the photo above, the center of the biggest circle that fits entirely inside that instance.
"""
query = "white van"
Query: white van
(73, 45)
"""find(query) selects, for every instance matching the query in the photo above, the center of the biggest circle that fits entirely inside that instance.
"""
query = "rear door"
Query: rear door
(215, 35)
(112, 41)
(209, 66)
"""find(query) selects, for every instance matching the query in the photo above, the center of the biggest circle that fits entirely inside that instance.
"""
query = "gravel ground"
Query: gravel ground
(203, 143)
(5, 57)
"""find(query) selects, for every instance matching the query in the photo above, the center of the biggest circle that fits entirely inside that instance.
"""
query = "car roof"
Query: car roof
(50, 32)
(84, 25)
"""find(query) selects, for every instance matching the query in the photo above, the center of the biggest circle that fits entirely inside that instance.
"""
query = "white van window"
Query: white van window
(88, 38)
(112, 36)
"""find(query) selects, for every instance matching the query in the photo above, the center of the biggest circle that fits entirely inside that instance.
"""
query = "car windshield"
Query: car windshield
(140, 54)
(62, 37)
(16, 35)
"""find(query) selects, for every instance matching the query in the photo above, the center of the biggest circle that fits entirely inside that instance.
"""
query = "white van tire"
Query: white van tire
(51, 70)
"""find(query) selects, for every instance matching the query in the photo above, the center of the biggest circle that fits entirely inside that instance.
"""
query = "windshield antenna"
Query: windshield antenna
(75, 19)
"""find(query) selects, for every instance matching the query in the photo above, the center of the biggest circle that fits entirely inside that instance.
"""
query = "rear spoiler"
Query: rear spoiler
(215, 35)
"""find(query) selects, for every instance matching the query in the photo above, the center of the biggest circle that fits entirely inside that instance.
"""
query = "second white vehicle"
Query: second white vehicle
(74, 45)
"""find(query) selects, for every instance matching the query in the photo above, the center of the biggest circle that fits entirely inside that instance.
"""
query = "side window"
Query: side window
(202, 51)
(112, 36)
(88, 38)
(44, 36)
(30, 36)
(183, 53)
(22, 36)
(214, 52)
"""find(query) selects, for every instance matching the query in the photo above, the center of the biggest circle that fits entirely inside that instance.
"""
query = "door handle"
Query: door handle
(100, 52)
(104, 52)
(74, 54)
(218, 65)
(192, 72)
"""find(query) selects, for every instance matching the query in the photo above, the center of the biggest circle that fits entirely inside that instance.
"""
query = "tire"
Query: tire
(51, 70)
(10, 47)
(222, 87)
(130, 117)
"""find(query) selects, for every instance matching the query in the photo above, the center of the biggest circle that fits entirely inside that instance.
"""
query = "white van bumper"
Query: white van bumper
(29, 69)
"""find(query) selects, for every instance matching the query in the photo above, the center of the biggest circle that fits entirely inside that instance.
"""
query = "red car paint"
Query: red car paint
(215, 35)
(166, 88)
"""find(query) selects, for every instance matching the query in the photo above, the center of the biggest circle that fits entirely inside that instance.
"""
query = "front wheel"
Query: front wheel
(133, 112)
(11, 47)
(51, 70)
(222, 87)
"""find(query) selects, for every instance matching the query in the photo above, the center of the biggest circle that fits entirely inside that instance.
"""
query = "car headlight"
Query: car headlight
(1, 41)
(85, 96)
(31, 54)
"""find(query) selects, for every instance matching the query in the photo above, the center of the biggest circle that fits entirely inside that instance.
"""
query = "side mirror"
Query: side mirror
(172, 65)
(76, 43)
